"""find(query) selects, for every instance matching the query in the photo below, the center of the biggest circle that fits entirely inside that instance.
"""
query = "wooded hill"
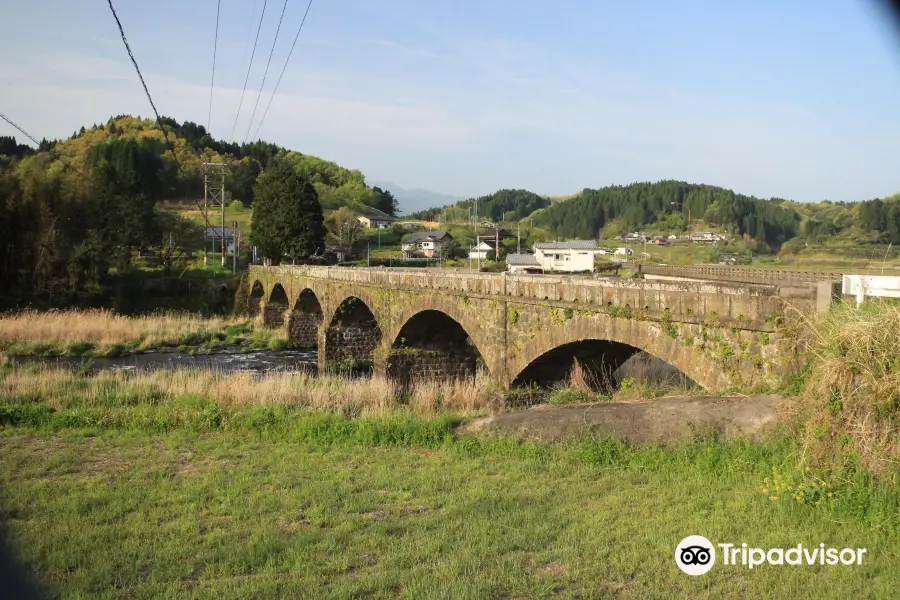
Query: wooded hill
(668, 205)
(74, 212)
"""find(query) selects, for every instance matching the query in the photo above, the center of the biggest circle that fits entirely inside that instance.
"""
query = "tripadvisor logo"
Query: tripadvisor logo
(696, 555)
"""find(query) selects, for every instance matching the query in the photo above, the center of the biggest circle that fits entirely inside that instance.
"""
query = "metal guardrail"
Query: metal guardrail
(874, 286)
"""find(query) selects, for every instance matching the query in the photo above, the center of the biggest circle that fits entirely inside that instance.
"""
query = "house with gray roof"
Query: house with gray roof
(426, 243)
(372, 218)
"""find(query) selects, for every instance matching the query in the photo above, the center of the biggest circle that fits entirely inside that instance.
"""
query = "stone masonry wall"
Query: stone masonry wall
(351, 345)
(273, 314)
(303, 329)
(406, 365)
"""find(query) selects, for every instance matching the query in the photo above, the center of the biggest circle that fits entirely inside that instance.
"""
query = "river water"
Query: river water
(223, 361)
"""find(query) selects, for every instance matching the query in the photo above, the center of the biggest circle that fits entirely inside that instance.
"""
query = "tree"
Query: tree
(346, 226)
(287, 218)
(385, 201)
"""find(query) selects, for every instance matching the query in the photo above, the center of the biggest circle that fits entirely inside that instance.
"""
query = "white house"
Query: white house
(523, 263)
(482, 251)
(426, 243)
(624, 252)
(574, 256)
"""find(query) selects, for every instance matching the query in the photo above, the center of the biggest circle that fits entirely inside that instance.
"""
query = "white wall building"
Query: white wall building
(482, 251)
(571, 257)
(523, 263)
(624, 252)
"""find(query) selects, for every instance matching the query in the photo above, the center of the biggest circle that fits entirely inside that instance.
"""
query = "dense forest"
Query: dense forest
(669, 205)
(502, 205)
(74, 212)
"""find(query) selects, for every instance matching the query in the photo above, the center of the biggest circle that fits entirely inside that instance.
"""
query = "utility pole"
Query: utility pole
(214, 197)
(690, 252)
(234, 254)
(519, 237)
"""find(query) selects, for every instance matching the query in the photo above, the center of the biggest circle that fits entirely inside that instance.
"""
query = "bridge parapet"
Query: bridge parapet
(741, 274)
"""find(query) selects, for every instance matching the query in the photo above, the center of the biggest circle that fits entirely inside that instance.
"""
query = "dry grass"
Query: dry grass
(102, 327)
(850, 402)
(354, 397)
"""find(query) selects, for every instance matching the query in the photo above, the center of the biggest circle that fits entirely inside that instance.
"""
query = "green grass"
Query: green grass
(192, 500)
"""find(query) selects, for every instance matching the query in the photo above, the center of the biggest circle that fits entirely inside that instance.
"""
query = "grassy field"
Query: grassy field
(311, 511)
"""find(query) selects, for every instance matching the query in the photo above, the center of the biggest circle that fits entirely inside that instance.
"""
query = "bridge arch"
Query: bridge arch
(475, 321)
(607, 342)
(276, 307)
(304, 320)
(352, 335)
(257, 293)
(433, 345)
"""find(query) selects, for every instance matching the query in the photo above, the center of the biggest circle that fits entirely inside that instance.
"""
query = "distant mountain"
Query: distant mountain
(415, 199)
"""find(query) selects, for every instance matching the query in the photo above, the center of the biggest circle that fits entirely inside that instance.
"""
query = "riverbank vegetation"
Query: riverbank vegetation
(848, 400)
(104, 333)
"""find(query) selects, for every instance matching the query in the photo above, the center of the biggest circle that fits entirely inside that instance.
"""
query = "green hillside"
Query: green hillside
(668, 206)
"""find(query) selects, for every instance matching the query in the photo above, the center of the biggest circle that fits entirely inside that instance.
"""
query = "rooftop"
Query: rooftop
(374, 213)
(421, 236)
(217, 232)
(522, 260)
(569, 245)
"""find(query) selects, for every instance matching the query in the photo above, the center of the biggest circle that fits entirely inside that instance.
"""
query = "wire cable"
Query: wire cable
(247, 78)
(265, 73)
(272, 97)
(213, 80)
(150, 98)
(25, 133)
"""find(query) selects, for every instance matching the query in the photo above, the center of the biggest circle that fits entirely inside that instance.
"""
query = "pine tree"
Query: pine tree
(287, 216)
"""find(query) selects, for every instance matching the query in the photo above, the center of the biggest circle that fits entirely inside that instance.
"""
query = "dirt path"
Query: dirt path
(661, 420)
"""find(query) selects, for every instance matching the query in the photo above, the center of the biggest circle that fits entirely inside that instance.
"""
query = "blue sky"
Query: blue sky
(794, 99)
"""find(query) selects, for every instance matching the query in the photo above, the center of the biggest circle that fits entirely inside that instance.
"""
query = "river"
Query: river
(223, 361)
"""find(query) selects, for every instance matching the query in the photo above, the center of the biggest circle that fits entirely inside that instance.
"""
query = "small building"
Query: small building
(341, 253)
(372, 218)
(624, 252)
(425, 243)
(660, 242)
(573, 256)
(482, 251)
(523, 263)
(214, 236)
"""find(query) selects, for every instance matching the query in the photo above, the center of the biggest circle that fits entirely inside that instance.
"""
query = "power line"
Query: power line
(213, 80)
(272, 97)
(155, 112)
(143, 83)
(266, 72)
(247, 78)
(247, 37)
(25, 133)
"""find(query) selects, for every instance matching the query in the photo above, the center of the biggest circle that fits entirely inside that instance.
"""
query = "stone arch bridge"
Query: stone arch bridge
(529, 328)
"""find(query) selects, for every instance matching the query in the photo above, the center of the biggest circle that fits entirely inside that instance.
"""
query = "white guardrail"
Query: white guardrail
(878, 286)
